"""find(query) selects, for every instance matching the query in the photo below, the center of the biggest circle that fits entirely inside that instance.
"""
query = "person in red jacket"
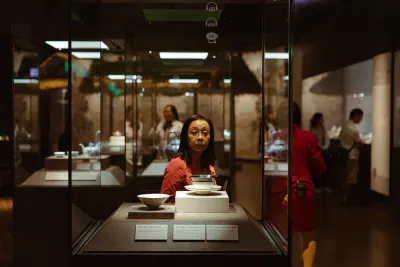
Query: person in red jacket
(196, 155)
(307, 159)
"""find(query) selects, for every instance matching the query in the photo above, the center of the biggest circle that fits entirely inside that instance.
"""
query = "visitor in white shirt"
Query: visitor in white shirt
(350, 141)
(160, 131)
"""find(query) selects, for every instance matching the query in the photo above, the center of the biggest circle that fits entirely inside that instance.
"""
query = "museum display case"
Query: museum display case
(99, 103)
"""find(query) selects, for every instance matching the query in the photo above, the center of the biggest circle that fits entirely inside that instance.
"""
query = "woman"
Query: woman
(196, 155)
(161, 131)
(307, 159)
(317, 127)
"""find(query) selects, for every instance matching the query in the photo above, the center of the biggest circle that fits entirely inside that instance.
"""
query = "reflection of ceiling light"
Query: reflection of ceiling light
(183, 81)
(276, 55)
(227, 81)
(142, 89)
(355, 95)
(141, 94)
(139, 80)
(133, 77)
(286, 78)
(116, 77)
(128, 81)
(187, 94)
(214, 56)
(25, 81)
(191, 94)
(150, 52)
(361, 95)
(88, 55)
(78, 44)
(183, 55)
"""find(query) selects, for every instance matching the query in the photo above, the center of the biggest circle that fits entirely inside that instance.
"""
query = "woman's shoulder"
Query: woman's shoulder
(305, 134)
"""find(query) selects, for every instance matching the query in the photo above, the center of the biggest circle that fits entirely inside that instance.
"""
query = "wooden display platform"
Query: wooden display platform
(140, 211)
(79, 163)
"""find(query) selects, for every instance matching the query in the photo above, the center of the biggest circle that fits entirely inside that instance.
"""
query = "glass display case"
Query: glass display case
(106, 113)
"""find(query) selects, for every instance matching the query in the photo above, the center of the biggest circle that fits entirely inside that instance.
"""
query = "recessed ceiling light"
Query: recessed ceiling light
(176, 81)
(78, 44)
(276, 55)
(214, 56)
(183, 55)
(150, 52)
(116, 77)
(87, 55)
(227, 81)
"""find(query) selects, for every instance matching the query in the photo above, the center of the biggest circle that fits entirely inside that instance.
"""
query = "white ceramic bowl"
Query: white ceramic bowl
(59, 153)
(153, 201)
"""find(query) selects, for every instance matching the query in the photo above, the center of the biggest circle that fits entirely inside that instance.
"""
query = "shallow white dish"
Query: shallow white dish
(203, 190)
(59, 153)
(153, 201)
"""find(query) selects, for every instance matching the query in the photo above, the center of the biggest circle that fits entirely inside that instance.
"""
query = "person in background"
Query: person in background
(171, 123)
(196, 155)
(350, 142)
(129, 129)
(307, 160)
(269, 127)
(317, 127)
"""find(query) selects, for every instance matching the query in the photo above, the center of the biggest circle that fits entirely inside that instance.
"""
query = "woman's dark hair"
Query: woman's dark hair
(282, 115)
(208, 157)
(315, 118)
(296, 114)
(174, 110)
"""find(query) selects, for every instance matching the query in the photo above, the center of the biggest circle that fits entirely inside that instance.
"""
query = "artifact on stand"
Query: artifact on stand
(92, 149)
(172, 145)
(153, 201)
(203, 184)
(278, 150)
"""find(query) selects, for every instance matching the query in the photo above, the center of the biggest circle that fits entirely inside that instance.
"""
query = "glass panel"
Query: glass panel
(175, 60)
(275, 122)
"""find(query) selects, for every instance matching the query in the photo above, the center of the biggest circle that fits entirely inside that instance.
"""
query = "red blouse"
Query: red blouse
(176, 177)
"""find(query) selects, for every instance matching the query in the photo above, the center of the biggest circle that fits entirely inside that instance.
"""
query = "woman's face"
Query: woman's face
(168, 114)
(199, 136)
(321, 121)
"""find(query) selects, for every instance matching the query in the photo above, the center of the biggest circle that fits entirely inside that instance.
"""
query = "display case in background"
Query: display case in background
(97, 102)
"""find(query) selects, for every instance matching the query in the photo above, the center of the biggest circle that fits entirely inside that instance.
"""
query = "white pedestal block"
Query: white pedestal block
(188, 202)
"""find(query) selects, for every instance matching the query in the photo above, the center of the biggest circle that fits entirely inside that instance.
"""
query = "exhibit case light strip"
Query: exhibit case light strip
(276, 55)
(183, 55)
(122, 77)
(187, 81)
(25, 81)
(227, 81)
(87, 55)
(78, 44)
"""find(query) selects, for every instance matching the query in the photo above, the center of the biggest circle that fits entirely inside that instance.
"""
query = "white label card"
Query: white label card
(270, 167)
(83, 167)
(115, 149)
(222, 232)
(283, 167)
(189, 232)
(56, 176)
(97, 166)
(151, 232)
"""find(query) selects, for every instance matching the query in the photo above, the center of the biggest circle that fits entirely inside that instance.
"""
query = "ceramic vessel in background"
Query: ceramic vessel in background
(278, 148)
(172, 144)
